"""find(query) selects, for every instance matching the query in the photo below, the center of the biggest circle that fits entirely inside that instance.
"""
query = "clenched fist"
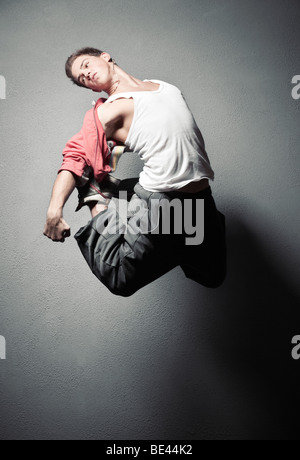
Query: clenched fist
(56, 228)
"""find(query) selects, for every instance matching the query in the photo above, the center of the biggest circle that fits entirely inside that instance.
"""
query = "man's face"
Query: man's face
(93, 72)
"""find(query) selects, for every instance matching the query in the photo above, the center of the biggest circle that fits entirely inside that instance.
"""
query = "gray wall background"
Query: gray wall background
(176, 361)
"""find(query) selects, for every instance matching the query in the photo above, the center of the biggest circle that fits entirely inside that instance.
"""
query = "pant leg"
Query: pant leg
(127, 185)
(207, 263)
(126, 261)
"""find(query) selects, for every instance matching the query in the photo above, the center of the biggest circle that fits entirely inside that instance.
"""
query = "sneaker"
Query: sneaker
(99, 193)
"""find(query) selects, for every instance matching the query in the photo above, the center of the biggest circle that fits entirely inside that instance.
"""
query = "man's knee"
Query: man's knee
(123, 291)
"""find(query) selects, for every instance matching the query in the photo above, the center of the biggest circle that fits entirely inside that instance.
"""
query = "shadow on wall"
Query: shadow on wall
(247, 380)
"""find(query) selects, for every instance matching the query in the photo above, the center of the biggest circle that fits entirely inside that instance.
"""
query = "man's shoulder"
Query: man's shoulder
(89, 115)
(114, 109)
(99, 102)
(104, 112)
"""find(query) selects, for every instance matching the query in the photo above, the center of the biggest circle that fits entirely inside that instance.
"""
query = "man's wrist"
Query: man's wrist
(55, 211)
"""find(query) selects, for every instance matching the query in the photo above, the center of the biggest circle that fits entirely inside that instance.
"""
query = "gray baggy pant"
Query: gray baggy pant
(125, 258)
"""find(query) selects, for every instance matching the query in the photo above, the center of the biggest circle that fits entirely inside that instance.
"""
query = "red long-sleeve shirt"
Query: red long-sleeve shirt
(88, 148)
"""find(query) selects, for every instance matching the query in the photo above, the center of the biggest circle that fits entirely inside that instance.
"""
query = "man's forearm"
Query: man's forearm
(56, 228)
(63, 188)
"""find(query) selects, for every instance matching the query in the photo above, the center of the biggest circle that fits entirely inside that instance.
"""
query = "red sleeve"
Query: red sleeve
(74, 154)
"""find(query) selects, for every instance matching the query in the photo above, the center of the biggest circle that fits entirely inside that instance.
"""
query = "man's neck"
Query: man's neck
(127, 82)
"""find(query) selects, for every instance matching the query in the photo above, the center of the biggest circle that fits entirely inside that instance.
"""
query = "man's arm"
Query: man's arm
(56, 228)
(116, 119)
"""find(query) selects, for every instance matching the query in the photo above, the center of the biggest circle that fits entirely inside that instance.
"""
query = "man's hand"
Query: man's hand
(56, 228)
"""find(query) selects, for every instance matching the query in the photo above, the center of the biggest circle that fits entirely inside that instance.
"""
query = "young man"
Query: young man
(153, 119)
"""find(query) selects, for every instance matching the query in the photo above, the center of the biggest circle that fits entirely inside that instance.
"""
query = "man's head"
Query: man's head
(90, 68)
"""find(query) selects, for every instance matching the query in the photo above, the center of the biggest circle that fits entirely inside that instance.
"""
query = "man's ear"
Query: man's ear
(106, 56)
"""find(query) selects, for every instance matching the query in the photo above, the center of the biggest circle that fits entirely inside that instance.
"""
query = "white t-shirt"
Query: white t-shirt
(165, 135)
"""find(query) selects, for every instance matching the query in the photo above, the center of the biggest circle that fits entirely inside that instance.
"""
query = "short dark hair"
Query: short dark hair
(77, 54)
